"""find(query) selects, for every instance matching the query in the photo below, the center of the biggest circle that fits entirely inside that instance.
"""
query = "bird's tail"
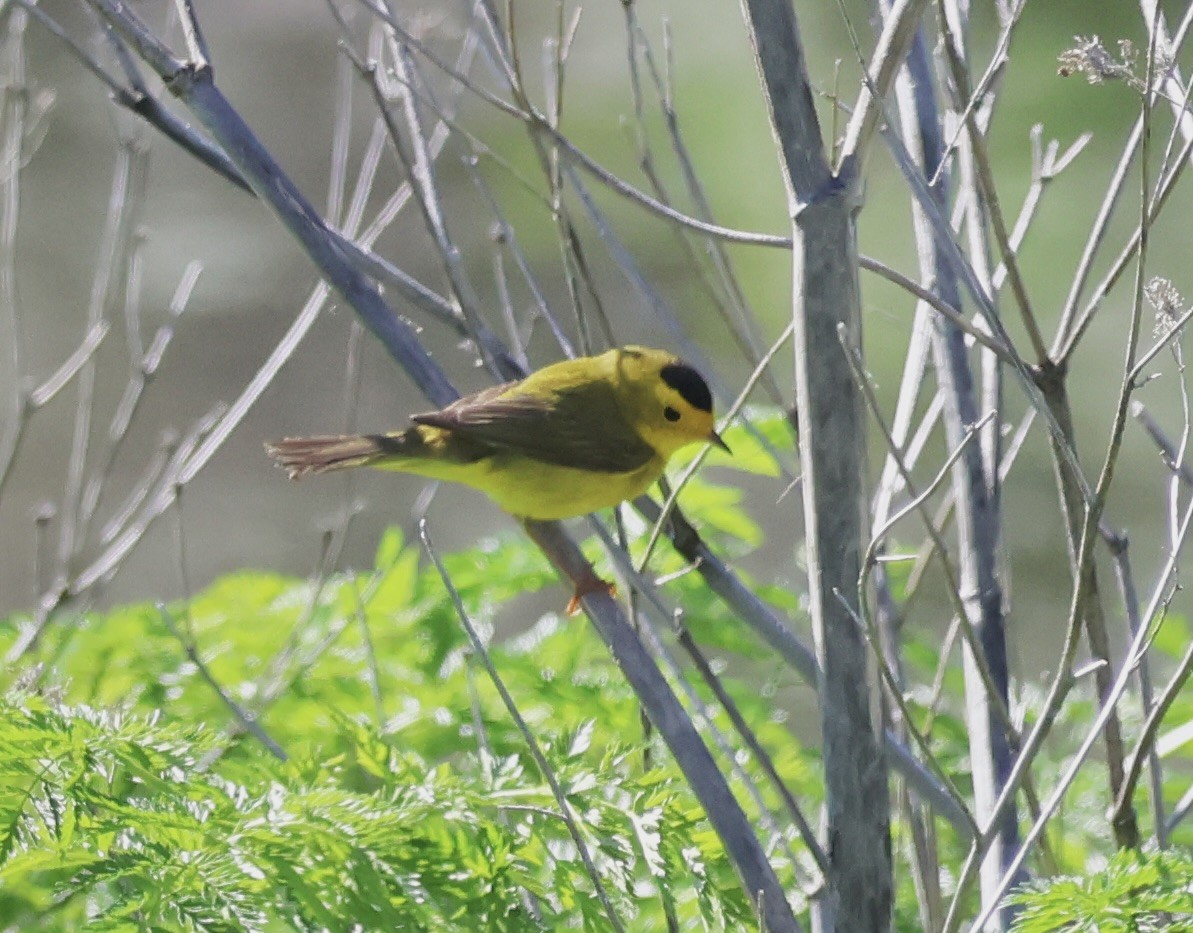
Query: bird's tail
(300, 456)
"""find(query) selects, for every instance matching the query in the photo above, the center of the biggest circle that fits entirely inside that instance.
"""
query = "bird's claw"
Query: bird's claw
(593, 584)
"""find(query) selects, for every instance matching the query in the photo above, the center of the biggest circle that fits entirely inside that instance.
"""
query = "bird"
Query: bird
(571, 438)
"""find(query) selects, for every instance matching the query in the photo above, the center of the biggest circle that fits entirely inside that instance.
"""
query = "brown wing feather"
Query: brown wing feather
(577, 426)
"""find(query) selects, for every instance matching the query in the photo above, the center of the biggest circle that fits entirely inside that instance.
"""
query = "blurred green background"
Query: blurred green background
(278, 63)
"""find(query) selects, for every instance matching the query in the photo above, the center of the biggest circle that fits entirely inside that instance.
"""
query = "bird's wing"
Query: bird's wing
(574, 426)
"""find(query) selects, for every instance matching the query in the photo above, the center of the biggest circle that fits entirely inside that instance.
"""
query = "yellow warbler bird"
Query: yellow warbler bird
(571, 438)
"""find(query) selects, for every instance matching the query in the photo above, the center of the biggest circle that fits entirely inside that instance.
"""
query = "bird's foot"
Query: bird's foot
(593, 584)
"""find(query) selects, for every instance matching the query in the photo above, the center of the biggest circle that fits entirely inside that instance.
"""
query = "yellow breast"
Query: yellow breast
(531, 489)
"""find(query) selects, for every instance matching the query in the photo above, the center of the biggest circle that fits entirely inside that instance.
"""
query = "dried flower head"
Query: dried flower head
(1092, 59)
(1168, 303)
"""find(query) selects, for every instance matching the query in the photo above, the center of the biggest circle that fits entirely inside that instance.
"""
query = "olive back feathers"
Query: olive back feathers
(576, 424)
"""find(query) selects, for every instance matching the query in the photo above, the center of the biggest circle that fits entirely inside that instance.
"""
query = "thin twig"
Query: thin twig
(807, 834)
(955, 317)
(1151, 726)
(690, 470)
(245, 721)
(544, 766)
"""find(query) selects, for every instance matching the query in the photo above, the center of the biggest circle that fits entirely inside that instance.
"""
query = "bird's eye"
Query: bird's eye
(670, 414)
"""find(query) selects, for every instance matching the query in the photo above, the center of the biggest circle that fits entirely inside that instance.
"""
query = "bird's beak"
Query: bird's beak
(715, 438)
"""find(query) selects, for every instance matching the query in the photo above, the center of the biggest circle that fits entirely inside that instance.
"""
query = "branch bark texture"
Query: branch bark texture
(975, 485)
(833, 455)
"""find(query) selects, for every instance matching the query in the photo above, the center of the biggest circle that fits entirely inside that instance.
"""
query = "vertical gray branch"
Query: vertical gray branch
(975, 484)
(832, 448)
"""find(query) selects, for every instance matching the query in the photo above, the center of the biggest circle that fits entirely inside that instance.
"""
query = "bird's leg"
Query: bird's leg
(585, 586)
(569, 561)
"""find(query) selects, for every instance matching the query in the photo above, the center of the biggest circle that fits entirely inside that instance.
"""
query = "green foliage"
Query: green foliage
(132, 797)
(1134, 893)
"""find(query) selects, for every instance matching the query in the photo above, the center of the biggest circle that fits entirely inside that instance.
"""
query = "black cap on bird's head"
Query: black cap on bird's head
(689, 384)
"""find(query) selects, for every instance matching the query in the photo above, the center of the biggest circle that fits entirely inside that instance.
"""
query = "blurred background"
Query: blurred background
(278, 63)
